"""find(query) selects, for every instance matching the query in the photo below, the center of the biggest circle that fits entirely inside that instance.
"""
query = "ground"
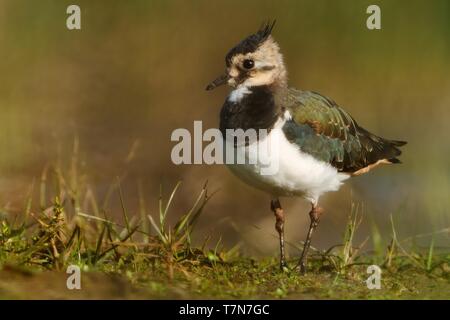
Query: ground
(130, 260)
(242, 279)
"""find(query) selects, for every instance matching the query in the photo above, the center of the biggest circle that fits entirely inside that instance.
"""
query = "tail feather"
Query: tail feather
(377, 148)
(398, 143)
(394, 161)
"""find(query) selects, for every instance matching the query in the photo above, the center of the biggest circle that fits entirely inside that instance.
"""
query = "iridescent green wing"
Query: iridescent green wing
(324, 130)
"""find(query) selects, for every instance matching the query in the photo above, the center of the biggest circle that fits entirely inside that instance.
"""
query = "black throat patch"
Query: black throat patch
(256, 110)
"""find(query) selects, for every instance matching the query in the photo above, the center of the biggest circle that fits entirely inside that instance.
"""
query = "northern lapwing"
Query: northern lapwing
(320, 145)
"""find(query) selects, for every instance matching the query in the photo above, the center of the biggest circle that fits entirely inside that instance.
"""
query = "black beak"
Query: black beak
(218, 82)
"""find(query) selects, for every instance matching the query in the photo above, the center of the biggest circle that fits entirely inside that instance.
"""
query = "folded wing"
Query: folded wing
(324, 130)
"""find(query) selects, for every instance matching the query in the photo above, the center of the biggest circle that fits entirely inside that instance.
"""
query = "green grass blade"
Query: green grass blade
(430, 255)
(158, 230)
(99, 243)
(163, 213)
(124, 210)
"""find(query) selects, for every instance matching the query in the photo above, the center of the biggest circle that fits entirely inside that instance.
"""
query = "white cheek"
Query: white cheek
(262, 65)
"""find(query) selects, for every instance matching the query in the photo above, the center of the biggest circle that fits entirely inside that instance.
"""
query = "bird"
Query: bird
(319, 144)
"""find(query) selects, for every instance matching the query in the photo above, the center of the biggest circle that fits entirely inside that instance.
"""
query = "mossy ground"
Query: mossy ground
(241, 279)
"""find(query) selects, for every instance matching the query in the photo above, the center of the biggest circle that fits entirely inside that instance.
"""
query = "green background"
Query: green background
(137, 70)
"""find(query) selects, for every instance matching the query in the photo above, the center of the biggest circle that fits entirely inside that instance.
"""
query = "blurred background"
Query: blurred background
(137, 70)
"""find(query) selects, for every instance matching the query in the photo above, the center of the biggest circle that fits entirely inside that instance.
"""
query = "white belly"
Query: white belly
(297, 173)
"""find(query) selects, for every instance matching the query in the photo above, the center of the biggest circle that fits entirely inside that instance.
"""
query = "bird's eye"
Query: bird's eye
(248, 63)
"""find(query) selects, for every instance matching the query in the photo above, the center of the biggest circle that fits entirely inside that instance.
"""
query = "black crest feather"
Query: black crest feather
(266, 29)
(252, 42)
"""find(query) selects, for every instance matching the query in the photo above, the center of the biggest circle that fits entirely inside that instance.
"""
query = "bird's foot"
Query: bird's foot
(314, 215)
(301, 268)
(284, 266)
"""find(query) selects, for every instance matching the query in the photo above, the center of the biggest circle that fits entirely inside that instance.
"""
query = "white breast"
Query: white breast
(297, 174)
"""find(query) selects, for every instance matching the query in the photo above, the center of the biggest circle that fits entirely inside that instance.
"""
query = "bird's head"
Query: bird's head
(255, 61)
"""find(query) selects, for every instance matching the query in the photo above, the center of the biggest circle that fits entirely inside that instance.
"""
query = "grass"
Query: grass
(145, 257)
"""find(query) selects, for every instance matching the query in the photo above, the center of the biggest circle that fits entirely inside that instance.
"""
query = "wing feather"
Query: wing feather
(323, 129)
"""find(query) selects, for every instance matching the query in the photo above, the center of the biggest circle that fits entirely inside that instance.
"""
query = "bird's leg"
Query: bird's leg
(314, 215)
(275, 206)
